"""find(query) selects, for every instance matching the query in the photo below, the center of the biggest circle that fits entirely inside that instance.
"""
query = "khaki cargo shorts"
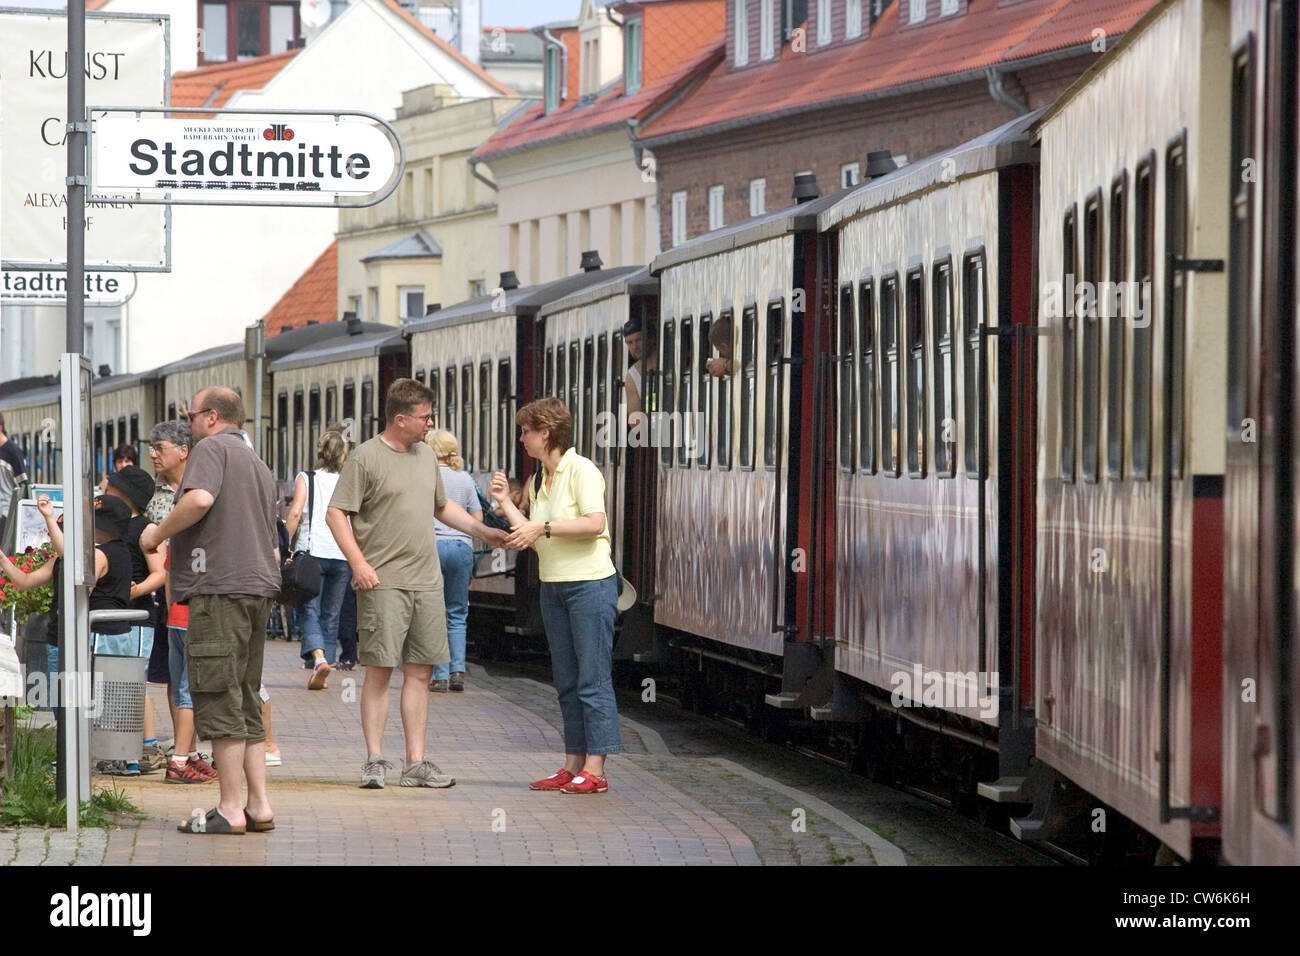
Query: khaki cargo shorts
(225, 643)
(396, 627)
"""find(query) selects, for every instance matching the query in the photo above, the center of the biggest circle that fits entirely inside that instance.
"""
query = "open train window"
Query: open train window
(331, 404)
(313, 424)
(135, 436)
(1176, 282)
(705, 393)
(588, 395)
(772, 425)
(748, 383)
(419, 375)
(616, 395)
(550, 371)
(1069, 269)
(120, 437)
(299, 422)
(867, 377)
(282, 435)
(484, 443)
(575, 386)
(1116, 318)
(663, 434)
(1090, 329)
(171, 411)
(1143, 261)
(687, 436)
(505, 419)
(916, 386)
(466, 434)
(847, 362)
(608, 432)
(945, 373)
(367, 409)
(725, 410)
(1241, 194)
(889, 387)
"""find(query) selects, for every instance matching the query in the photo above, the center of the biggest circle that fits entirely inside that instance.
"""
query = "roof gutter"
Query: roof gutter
(999, 93)
(473, 168)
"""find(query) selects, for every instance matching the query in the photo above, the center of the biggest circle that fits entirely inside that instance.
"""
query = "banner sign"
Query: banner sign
(126, 61)
(48, 287)
(293, 159)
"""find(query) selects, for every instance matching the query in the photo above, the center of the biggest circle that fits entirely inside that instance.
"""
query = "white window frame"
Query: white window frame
(679, 217)
(852, 19)
(824, 17)
(403, 291)
(916, 11)
(850, 175)
(949, 7)
(766, 29)
(717, 207)
(741, 16)
(355, 306)
(757, 197)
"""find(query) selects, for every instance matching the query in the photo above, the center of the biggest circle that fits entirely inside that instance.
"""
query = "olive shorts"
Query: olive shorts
(225, 643)
(396, 626)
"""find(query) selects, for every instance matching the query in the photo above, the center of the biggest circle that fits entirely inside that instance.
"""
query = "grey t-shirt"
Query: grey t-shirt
(462, 490)
(234, 548)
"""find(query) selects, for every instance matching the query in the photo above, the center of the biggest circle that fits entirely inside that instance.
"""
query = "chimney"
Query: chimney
(880, 162)
(591, 261)
(353, 323)
(471, 28)
(805, 187)
(509, 280)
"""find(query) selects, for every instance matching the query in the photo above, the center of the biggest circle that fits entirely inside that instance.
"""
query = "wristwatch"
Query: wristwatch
(547, 529)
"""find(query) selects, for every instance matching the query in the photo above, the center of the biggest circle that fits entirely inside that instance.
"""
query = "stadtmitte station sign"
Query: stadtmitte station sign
(296, 159)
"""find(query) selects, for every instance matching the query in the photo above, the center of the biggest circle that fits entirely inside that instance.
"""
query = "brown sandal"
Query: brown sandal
(258, 826)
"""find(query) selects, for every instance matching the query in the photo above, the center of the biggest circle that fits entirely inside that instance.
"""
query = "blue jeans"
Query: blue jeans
(457, 558)
(579, 618)
(320, 629)
(178, 667)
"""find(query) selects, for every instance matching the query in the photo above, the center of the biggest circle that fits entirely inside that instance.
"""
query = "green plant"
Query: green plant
(30, 798)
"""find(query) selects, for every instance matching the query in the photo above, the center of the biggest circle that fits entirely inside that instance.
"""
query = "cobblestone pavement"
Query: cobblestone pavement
(684, 792)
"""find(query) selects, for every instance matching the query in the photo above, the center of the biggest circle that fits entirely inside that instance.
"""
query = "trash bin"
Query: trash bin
(117, 708)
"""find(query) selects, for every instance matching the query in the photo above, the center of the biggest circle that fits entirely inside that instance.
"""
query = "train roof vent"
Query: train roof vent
(105, 371)
(432, 308)
(509, 280)
(805, 187)
(591, 261)
(353, 323)
(880, 162)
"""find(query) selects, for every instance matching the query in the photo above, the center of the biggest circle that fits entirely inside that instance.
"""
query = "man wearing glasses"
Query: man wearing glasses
(391, 489)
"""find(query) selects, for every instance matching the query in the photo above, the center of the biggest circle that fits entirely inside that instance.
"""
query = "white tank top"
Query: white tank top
(319, 542)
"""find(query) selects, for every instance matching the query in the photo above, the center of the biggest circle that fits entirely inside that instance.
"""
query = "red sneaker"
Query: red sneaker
(586, 783)
(203, 768)
(185, 774)
(554, 782)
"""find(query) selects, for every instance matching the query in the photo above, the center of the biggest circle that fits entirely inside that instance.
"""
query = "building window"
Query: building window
(374, 304)
(552, 78)
(823, 22)
(679, 218)
(850, 175)
(917, 11)
(411, 300)
(354, 305)
(767, 29)
(757, 197)
(716, 219)
(243, 29)
(949, 7)
(741, 16)
(632, 57)
(852, 19)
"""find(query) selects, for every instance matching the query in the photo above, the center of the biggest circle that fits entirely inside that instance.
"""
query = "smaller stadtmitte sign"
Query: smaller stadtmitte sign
(282, 159)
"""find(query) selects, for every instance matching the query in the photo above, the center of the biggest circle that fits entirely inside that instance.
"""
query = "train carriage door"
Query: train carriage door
(640, 463)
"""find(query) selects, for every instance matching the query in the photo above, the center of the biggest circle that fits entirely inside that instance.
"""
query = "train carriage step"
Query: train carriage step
(1027, 829)
(1004, 790)
(843, 707)
(786, 700)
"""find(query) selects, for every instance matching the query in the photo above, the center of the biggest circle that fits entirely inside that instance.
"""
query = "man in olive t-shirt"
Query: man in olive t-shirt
(391, 488)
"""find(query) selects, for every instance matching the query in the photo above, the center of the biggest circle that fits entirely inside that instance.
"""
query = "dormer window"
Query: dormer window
(741, 19)
(553, 78)
(852, 19)
(950, 7)
(632, 57)
(767, 29)
(917, 11)
(823, 22)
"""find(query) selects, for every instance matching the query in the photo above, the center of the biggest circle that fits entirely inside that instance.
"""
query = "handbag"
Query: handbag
(299, 571)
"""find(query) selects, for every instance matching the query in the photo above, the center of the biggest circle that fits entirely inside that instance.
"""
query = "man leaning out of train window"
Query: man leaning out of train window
(720, 337)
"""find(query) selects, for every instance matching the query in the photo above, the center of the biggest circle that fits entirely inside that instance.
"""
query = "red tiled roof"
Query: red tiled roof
(987, 35)
(681, 38)
(450, 50)
(313, 296)
(220, 81)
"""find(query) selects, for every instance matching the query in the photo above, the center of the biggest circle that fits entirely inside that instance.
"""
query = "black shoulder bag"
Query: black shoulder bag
(299, 572)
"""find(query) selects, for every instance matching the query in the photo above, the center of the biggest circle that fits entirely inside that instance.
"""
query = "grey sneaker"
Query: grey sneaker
(372, 775)
(438, 686)
(426, 773)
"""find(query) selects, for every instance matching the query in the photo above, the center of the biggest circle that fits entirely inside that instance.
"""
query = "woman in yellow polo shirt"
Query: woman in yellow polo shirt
(566, 526)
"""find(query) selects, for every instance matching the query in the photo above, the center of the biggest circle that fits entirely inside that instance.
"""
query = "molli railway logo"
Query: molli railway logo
(278, 131)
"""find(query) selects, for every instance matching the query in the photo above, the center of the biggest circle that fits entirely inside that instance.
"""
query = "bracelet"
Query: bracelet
(547, 529)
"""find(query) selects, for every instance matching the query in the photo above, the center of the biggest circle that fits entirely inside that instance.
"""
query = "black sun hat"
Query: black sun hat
(112, 515)
(134, 482)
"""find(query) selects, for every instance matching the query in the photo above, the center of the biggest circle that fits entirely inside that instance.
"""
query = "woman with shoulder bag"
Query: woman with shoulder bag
(311, 494)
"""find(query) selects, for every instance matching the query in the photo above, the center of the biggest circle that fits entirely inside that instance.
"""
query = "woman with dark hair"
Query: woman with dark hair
(566, 526)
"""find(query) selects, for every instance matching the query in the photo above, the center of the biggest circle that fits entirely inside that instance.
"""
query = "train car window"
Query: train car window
(313, 424)
(466, 436)
(1241, 241)
(436, 402)
(121, 437)
(725, 412)
(135, 437)
(331, 404)
(505, 419)
(889, 387)
(419, 375)
(350, 406)
(1069, 269)
(748, 383)
(485, 417)
(687, 434)
(171, 411)
(1176, 247)
(299, 421)
(704, 390)
(561, 380)
(974, 308)
(866, 378)
(37, 459)
(616, 392)
(663, 435)
(550, 371)
(588, 394)
(282, 435)
(602, 398)
(449, 392)
(100, 470)
(1116, 311)
(1143, 262)
(575, 387)
(916, 386)
(772, 427)
(367, 409)
(1090, 328)
(847, 363)
(945, 373)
